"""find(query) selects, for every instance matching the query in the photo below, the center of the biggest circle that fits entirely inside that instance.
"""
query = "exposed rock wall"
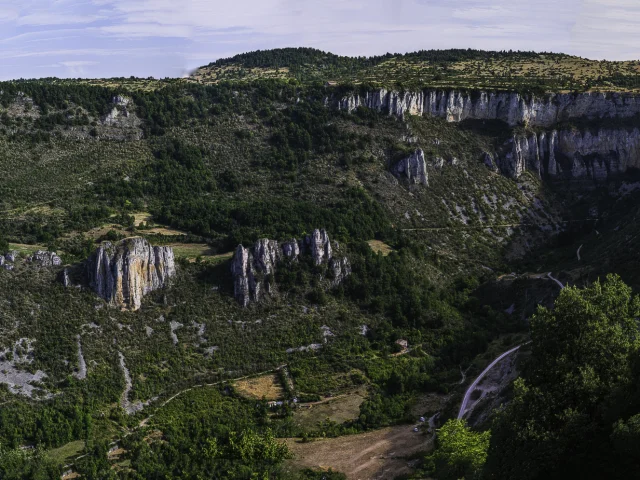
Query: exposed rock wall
(123, 273)
(319, 245)
(413, 168)
(596, 155)
(510, 107)
(250, 267)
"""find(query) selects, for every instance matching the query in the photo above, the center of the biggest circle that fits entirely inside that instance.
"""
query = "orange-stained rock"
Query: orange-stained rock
(125, 272)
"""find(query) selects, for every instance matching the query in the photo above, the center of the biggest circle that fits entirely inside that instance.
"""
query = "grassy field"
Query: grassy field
(67, 452)
(26, 249)
(380, 247)
(266, 386)
(339, 410)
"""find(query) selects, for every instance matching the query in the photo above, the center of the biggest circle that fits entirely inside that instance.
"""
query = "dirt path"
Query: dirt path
(373, 455)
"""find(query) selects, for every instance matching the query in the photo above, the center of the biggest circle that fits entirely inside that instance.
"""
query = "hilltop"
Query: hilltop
(472, 69)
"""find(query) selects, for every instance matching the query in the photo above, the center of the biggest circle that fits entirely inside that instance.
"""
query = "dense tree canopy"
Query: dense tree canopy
(572, 414)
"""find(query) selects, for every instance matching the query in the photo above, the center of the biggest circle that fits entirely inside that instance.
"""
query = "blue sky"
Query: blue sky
(160, 38)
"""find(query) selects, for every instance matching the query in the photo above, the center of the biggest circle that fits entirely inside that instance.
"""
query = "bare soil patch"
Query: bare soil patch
(267, 386)
(380, 247)
(382, 454)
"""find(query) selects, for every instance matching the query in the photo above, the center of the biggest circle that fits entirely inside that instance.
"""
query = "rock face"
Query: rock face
(413, 168)
(123, 273)
(510, 107)
(341, 269)
(252, 268)
(319, 246)
(596, 155)
(557, 152)
(249, 268)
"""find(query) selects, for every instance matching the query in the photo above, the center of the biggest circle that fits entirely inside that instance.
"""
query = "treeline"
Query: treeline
(48, 96)
(294, 57)
(205, 434)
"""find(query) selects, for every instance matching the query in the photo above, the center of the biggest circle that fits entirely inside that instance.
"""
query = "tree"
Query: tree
(559, 423)
(460, 452)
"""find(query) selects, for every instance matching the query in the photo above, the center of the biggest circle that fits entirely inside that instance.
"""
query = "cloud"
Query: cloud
(607, 29)
(160, 37)
(41, 19)
(77, 63)
(148, 30)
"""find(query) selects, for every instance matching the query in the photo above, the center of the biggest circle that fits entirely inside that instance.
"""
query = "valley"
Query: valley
(280, 270)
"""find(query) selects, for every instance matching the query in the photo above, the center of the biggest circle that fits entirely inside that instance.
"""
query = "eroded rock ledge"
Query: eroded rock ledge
(252, 267)
(123, 273)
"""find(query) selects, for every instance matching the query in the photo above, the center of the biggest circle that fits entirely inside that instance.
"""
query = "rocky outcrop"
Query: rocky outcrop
(121, 100)
(7, 261)
(413, 168)
(340, 268)
(45, 259)
(252, 268)
(123, 273)
(319, 246)
(249, 267)
(596, 155)
(510, 107)
(65, 278)
(291, 249)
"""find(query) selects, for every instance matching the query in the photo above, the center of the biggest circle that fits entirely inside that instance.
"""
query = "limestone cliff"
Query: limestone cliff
(510, 107)
(252, 268)
(596, 155)
(552, 151)
(123, 273)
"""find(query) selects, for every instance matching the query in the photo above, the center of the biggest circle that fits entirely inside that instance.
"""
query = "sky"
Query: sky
(169, 38)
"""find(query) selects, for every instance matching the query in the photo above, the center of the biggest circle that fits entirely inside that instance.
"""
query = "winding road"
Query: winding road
(555, 280)
(475, 383)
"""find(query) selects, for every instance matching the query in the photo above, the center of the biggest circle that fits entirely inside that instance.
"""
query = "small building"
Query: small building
(403, 343)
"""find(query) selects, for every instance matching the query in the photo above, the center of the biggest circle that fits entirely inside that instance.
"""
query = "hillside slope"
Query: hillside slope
(433, 204)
